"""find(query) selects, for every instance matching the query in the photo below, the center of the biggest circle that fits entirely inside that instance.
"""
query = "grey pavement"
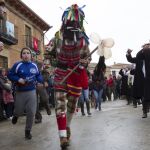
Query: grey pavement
(117, 127)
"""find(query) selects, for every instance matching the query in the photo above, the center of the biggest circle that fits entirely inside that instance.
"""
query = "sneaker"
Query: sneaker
(14, 120)
(28, 135)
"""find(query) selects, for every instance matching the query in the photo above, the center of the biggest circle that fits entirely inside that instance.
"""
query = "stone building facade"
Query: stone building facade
(20, 27)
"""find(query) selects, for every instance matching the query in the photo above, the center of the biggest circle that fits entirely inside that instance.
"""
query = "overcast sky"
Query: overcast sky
(126, 21)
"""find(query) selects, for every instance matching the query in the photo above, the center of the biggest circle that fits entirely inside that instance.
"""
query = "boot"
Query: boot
(14, 120)
(128, 103)
(144, 115)
(82, 108)
(145, 108)
(2, 117)
(28, 134)
(38, 121)
(63, 142)
(99, 107)
(38, 117)
(96, 106)
(134, 103)
(88, 108)
(48, 110)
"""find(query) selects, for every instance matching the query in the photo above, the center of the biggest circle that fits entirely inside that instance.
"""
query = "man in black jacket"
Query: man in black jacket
(140, 86)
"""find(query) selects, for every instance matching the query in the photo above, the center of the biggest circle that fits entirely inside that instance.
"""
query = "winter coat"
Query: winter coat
(29, 72)
(98, 81)
(145, 57)
(138, 83)
(124, 83)
(5, 90)
(3, 86)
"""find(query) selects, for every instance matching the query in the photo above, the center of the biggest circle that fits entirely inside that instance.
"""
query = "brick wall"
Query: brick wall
(12, 52)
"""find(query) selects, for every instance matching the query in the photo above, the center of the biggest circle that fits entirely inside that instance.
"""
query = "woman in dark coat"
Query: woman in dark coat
(6, 102)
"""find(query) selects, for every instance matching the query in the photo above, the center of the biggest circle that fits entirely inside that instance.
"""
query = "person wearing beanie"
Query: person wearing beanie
(25, 76)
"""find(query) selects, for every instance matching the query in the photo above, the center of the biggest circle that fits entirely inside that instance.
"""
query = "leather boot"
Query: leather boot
(99, 107)
(145, 108)
(88, 108)
(48, 110)
(82, 108)
(38, 117)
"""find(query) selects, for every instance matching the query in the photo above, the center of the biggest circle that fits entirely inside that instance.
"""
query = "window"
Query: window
(28, 37)
(3, 62)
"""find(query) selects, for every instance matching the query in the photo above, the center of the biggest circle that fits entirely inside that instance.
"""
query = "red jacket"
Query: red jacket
(110, 82)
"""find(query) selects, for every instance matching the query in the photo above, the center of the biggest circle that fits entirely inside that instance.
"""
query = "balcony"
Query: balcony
(7, 32)
(8, 39)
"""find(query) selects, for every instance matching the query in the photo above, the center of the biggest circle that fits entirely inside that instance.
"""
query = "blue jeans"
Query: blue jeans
(84, 96)
(98, 98)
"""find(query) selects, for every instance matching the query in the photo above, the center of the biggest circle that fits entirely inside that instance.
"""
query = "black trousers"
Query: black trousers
(1, 110)
(146, 105)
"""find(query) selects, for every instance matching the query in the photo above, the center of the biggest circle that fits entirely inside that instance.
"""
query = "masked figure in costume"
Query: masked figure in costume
(69, 47)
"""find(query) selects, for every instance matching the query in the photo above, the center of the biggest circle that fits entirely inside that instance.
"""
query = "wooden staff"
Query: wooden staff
(65, 78)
